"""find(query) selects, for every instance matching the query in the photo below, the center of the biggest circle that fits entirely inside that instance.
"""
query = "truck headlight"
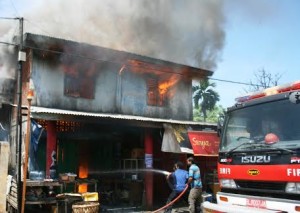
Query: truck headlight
(227, 183)
(292, 188)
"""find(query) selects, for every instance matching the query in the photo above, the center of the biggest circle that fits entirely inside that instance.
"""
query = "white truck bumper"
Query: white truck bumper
(208, 207)
(234, 203)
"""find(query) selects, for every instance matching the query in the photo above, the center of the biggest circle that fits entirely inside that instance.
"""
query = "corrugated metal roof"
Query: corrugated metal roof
(43, 110)
(41, 42)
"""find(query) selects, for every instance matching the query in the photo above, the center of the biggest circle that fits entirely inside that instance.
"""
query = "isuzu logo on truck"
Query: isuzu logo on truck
(256, 159)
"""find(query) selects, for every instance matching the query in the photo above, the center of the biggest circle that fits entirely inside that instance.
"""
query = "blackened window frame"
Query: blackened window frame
(77, 86)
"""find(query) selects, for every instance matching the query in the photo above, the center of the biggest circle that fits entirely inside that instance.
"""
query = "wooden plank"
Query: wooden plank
(13, 190)
(39, 202)
(12, 201)
(12, 197)
(13, 194)
(42, 183)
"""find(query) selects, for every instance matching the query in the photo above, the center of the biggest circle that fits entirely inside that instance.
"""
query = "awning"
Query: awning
(204, 143)
(42, 112)
(179, 136)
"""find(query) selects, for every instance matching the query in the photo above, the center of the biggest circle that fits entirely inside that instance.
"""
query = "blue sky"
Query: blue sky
(268, 39)
(259, 34)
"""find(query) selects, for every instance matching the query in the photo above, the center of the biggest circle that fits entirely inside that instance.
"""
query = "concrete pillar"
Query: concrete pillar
(51, 145)
(148, 143)
(4, 156)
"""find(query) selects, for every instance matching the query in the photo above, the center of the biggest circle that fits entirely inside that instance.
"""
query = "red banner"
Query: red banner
(204, 143)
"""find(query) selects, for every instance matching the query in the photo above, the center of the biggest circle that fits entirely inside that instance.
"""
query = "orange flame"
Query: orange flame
(30, 94)
(83, 173)
(140, 66)
(162, 79)
(163, 87)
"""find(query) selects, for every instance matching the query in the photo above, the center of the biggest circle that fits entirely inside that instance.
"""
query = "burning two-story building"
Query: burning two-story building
(103, 115)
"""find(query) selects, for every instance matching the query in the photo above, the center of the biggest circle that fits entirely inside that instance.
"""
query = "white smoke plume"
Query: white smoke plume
(186, 32)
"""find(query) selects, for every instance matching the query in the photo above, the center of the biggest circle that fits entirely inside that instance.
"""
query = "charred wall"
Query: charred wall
(114, 92)
(72, 76)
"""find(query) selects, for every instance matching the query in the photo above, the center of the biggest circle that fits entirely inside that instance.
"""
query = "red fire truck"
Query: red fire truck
(259, 154)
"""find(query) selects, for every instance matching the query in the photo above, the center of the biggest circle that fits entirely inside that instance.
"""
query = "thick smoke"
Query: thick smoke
(7, 53)
(186, 32)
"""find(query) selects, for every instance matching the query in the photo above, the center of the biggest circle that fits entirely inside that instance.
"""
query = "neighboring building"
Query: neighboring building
(103, 110)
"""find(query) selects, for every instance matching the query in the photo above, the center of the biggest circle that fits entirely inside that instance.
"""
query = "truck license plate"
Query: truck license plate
(256, 203)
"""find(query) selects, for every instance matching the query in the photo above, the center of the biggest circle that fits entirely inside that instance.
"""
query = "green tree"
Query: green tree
(212, 115)
(205, 96)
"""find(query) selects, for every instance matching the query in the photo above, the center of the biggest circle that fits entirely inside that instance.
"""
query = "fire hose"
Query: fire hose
(173, 201)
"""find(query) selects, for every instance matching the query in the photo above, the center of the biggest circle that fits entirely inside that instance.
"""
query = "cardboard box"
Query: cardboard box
(67, 177)
(90, 196)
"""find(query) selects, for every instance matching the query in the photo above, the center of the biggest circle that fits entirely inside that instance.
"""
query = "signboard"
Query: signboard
(204, 143)
(149, 161)
(176, 139)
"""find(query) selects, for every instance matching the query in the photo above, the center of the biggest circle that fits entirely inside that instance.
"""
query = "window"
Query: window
(154, 96)
(79, 86)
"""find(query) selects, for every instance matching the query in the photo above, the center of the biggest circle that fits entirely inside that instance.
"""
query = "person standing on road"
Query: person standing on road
(194, 179)
(179, 180)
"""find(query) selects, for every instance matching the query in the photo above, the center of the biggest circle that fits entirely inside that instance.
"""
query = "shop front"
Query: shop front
(119, 157)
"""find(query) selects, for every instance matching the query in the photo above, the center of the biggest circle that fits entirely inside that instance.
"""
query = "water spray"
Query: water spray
(129, 171)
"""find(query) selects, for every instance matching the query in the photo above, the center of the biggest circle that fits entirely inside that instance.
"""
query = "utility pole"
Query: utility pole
(21, 58)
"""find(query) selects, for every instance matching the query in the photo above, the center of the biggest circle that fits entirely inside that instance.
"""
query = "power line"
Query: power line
(69, 54)
(9, 18)
(84, 57)
(235, 82)
(2, 42)
(37, 26)
(12, 3)
(95, 59)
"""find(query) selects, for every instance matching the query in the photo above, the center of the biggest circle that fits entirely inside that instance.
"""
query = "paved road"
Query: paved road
(134, 210)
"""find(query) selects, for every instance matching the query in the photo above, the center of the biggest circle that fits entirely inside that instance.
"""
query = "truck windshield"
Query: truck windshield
(254, 124)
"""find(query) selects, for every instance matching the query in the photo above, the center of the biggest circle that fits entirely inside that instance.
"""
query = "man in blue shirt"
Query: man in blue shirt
(179, 177)
(194, 179)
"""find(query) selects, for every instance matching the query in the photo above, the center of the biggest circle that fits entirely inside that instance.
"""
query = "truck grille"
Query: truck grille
(277, 186)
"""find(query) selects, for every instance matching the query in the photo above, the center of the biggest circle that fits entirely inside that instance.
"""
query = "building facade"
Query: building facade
(101, 115)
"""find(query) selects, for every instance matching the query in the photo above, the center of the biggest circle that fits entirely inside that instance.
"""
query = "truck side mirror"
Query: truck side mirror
(294, 97)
